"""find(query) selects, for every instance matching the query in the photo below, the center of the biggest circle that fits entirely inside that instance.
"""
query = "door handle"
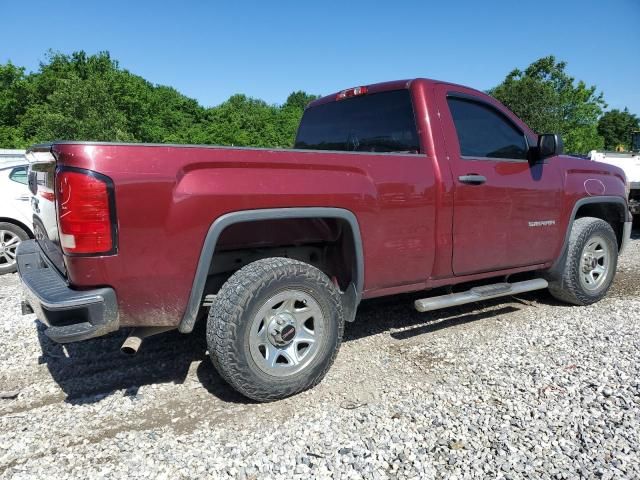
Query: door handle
(24, 198)
(472, 179)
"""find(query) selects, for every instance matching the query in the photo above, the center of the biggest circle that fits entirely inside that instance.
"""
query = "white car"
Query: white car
(15, 213)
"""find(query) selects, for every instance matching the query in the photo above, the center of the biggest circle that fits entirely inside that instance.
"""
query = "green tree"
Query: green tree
(616, 127)
(299, 100)
(13, 102)
(90, 97)
(76, 97)
(550, 101)
(243, 121)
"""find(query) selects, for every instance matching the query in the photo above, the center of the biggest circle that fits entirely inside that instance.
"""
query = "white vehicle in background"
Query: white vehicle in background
(15, 209)
(630, 163)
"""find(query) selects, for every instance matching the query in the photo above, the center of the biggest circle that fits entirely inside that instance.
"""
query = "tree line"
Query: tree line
(90, 97)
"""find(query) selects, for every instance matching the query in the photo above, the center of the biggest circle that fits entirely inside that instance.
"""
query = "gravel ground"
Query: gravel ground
(514, 388)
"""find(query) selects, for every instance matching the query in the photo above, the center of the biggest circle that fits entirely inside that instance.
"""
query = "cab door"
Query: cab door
(506, 210)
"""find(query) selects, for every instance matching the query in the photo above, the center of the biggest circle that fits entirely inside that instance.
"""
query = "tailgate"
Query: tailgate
(42, 167)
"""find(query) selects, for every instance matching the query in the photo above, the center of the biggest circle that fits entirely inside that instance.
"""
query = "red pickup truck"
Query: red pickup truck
(394, 187)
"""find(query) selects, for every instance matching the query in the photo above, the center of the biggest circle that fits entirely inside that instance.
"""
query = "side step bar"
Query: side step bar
(476, 294)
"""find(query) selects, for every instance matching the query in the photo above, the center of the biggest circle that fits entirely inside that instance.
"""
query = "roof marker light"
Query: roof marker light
(351, 92)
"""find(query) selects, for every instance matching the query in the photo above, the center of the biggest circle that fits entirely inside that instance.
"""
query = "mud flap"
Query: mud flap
(350, 303)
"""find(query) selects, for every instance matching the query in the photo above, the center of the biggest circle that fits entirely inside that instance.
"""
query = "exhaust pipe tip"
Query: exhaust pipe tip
(131, 345)
(26, 308)
(133, 342)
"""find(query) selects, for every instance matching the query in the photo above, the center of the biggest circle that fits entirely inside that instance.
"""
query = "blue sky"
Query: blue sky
(210, 50)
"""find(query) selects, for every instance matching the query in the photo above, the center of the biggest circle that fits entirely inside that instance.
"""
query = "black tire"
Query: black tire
(238, 304)
(5, 266)
(567, 286)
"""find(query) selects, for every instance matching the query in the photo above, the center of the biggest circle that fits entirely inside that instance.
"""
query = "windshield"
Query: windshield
(379, 122)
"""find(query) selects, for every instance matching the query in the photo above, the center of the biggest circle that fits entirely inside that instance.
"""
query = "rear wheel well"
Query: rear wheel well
(18, 224)
(327, 243)
(612, 213)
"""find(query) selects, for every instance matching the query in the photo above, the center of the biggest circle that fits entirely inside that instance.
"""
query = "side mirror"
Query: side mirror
(549, 145)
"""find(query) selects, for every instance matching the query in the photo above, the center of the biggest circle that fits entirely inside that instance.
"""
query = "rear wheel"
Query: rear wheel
(275, 328)
(591, 263)
(10, 237)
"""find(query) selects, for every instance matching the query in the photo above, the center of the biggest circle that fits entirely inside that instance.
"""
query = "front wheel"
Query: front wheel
(275, 328)
(592, 259)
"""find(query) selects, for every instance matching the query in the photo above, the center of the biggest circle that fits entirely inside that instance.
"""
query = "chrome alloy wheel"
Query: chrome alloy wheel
(8, 244)
(286, 333)
(595, 263)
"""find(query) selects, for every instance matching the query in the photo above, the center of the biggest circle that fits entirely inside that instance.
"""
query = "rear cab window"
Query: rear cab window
(484, 132)
(378, 123)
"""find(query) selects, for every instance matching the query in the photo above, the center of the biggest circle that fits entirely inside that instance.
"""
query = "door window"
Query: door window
(19, 174)
(484, 132)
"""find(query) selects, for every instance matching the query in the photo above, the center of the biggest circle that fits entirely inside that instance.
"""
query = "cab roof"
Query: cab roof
(386, 86)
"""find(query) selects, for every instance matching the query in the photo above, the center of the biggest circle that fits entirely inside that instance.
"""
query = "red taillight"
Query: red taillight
(84, 216)
(351, 92)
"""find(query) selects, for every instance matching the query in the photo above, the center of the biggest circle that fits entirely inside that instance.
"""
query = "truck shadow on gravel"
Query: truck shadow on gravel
(397, 315)
(90, 371)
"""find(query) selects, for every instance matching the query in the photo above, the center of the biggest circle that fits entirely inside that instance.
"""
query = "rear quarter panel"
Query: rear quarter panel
(167, 198)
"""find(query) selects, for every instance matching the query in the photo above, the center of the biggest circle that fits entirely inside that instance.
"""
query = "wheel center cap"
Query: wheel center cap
(287, 333)
(282, 329)
(590, 264)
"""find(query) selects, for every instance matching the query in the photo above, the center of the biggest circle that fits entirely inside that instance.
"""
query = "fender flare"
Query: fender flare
(558, 265)
(221, 223)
